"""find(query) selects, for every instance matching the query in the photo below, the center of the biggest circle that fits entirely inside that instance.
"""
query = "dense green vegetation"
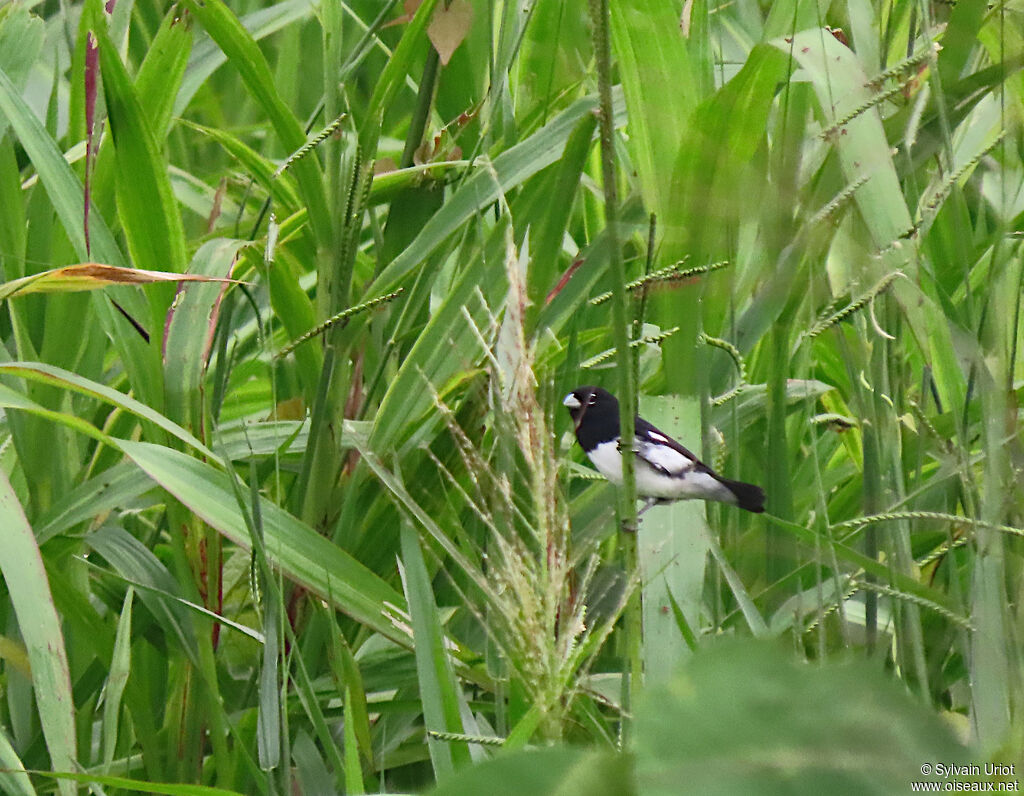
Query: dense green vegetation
(314, 520)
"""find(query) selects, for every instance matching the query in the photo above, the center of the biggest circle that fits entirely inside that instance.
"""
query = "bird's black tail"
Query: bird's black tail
(748, 496)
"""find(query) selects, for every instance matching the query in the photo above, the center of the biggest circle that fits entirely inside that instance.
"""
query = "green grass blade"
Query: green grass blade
(137, 785)
(13, 778)
(189, 331)
(146, 205)
(113, 488)
(438, 688)
(673, 550)
(158, 589)
(158, 82)
(758, 627)
(207, 57)
(281, 188)
(21, 39)
(120, 668)
(22, 568)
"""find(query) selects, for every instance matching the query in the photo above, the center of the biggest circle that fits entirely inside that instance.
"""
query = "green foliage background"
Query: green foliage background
(322, 528)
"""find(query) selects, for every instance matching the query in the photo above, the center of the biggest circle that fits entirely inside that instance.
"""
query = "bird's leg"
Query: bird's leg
(647, 504)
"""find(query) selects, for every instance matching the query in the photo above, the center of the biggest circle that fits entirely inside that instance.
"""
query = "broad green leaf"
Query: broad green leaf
(672, 549)
(556, 197)
(301, 554)
(394, 75)
(159, 78)
(21, 39)
(545, 772)
(743, 717)
(456, 321)
(12, 399)
(207, 57)
(65, 192)
(844, 95)
(653, 53)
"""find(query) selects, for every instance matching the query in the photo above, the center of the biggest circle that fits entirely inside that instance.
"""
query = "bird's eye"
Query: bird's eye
(592, 400)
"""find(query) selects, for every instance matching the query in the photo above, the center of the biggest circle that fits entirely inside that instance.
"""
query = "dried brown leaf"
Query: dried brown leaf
(93, 276)
(449, 27)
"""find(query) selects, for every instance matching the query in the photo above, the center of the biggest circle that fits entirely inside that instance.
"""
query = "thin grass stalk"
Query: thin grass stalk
(424, 101)
(853, 355)
(620, 333)
(780, 552)
(323, 459)
(886, 363)
(872, 499)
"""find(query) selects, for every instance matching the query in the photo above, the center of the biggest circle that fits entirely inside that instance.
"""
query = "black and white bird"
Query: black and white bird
(665, 470)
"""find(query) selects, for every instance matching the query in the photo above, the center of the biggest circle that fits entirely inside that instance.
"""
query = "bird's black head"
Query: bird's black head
(595, 415)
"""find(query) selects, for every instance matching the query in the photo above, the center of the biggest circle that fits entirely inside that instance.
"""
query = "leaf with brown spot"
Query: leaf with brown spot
(449, 27)
(93, 276)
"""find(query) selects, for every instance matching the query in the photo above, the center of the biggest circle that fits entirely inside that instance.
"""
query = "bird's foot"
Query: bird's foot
(647, 504)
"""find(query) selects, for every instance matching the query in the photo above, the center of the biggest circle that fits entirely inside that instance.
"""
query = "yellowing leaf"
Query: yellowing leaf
(93, 276)
(449, 27)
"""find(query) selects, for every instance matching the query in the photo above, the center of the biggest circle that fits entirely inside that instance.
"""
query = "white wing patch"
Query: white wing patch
(662, 457)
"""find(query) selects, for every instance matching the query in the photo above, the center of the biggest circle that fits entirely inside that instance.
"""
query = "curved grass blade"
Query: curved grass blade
(13, 779)
(135, 785)
(302, 555)
(29, 589)
(58, 377)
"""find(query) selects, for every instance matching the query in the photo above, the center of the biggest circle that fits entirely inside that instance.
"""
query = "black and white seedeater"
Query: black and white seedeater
(665, 470)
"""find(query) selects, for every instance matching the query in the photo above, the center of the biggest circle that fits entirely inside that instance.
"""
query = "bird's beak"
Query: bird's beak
(575, 405)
